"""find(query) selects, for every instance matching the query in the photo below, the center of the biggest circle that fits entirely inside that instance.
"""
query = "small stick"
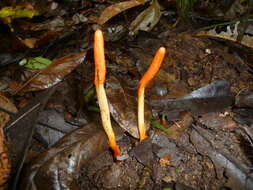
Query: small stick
(150, 73)
(100, 71)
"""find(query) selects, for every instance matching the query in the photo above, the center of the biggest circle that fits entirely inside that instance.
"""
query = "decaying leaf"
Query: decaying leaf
(117, 8)
(123, 107)
(5, 165)
(230, 35)
(210, 98)
(54, 73)
(58, 167)
(147, 19)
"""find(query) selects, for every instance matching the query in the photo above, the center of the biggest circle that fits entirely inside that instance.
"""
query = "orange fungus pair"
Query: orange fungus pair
(100, 72)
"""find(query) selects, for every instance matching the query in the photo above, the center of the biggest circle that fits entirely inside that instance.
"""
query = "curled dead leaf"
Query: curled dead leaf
(117, 8)
(147, 19)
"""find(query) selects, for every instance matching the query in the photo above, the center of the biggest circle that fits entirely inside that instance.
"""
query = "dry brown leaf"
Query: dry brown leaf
(53, 74)
(117, 8)
(147, 19)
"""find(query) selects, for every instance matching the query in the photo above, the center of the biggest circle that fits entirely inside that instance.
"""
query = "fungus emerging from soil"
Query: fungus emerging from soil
(150, 73)
(100, 71)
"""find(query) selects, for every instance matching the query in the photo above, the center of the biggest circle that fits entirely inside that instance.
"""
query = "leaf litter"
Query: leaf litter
(201, 94)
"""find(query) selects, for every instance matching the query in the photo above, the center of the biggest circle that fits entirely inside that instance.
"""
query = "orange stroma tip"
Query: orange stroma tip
(147, 77)
(99, 57)
(153, 68)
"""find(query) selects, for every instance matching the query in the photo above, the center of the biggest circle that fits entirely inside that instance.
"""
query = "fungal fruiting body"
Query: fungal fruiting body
(147, 77)
(100, 72)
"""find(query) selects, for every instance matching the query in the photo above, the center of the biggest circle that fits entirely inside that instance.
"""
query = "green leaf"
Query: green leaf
(6, 12)
(17, 12)
(35, 63)
(178, 170)
(167, 188)
(157, 125)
